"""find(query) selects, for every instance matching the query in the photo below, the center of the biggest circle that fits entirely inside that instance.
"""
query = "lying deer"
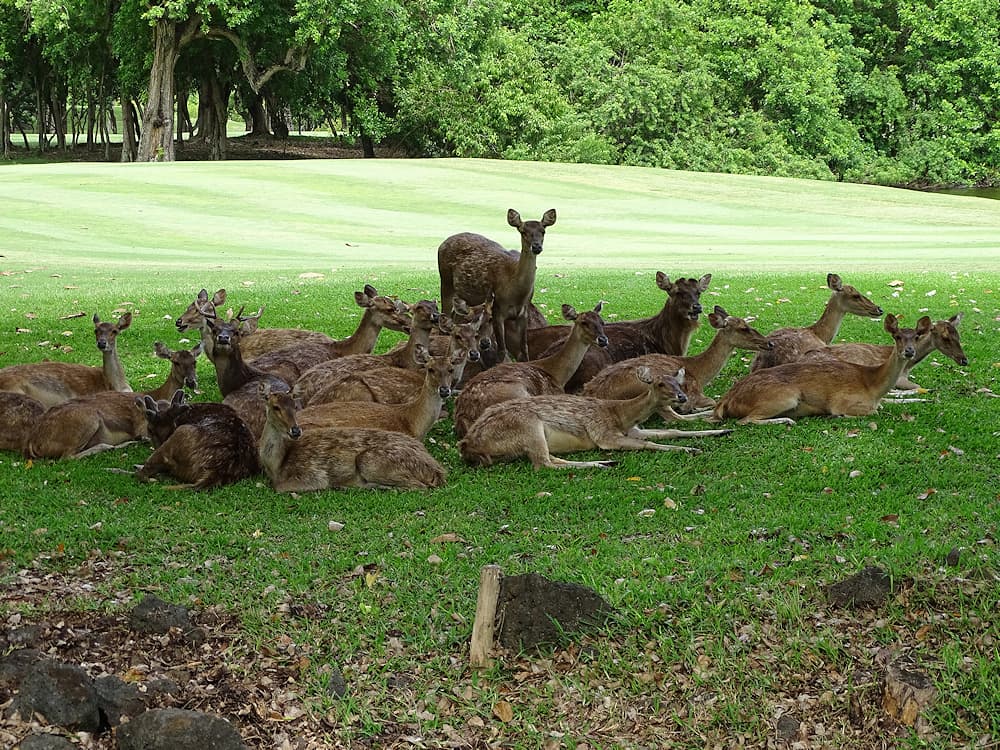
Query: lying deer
(816, 386)
(19, 414)
(52, 383)
(668, 332)
(315, 384)
(943, 337)
(512, 380)
(791, 343)
(618, 381)
(257, 341)
(183, 370)
(298, 460)
(476, 269)
(413, 417)
(539, 426)
(204, 445)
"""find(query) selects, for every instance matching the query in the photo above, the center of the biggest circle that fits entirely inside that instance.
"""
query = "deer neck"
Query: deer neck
(404, 357)
(171, 385)
(632, 411)
(670, 330)
(825, 329)
(232, 372)
(272, 447)
(523, 280)
(423, 410)
(883, 377)
(706, 366)
(362, 341)
(563, 364)
(113, 371)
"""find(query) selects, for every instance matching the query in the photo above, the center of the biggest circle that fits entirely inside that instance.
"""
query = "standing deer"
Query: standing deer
(414, 417)
(539, 426)
(818, 386)
(618, 381)
(204, 445)
(511, 380)
(667, 332)
(52, 383)
(477, 268)
(791, 343)
(943, 337)
(298, 460)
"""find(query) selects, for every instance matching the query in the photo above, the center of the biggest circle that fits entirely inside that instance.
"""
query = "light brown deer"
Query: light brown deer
(204, 445)
(667, 332)
(791, 343)
(618, 381)
(52, 383)
(512, 380)
(943, 337)
(183, 370)
(102, 421)
(298, 460)
(314, 385)
(18, 416)
(414, 417)
(820, 386)
(256, 341)
(477, 268)
(539, 426)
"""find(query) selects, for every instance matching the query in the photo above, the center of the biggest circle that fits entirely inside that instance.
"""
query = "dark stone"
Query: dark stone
(27, 636)
(14, 667)
(953, 557)
(162, 686)
(868, 588)
(788, 727)
(63, 694)
(178, 729)
(533, 610)
(337, 687)
(154, 616)
(117, 698)
(46, 742)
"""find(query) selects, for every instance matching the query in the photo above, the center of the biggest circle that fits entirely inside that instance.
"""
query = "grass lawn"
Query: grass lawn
(716, 563)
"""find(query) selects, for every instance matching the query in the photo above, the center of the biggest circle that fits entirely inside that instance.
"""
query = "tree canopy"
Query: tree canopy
(894, 92)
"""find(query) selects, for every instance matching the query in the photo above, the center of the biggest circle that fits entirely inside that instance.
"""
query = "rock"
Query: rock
(46, 742)
(63, 694)
(906, 693)
(954, 557)
(867, 588)
(14, 667)
(788, 728)
(154, 616)
(530, 606)
(337, 687)
(26, 636)
(178, 729)
(117, 698)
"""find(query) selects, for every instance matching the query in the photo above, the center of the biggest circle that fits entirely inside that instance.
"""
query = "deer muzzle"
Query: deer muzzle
(191, 382)
(878, 311)
(444, 391)
(769, 346)
(102, 344)
(295, 432)
(474, 356)
(602, 341)
(909, 352)
(963, 361)
(695, 311)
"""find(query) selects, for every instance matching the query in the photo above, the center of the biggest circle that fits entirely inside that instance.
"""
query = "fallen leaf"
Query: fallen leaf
(445, 538)
(927, 493)
(503, 711)
(890, 518)
(335, 525)
(434, 560)
(647, 512)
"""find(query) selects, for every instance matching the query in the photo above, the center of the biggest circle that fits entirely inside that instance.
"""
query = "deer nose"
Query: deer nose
(770, 346)
(682, 398)
(602, 341)
(536, 247)
(102, 344)
(444, 391)
(909, 352)
(180, 324)
(223, 339)
(191, 382)
(295, 432)
(473, 355)
(878, 310)
(485, 345)
(963, 360)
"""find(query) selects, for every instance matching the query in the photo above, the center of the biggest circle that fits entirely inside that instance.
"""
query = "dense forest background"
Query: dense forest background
(900, 92)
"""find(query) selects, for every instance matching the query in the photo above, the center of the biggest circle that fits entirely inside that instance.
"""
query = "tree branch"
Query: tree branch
(295, 59)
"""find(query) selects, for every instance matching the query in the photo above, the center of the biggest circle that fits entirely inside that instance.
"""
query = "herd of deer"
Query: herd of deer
(314, 413)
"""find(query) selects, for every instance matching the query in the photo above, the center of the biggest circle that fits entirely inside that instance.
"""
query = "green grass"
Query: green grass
(722, 620)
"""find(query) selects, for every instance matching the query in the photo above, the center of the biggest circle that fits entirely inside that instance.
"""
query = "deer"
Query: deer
(102, 421)
(477, 268)
(819, 386)
(19, 414)
(539, 426)
(413, 417)
(305, 460)
(791, 343)
(315, 385)
(547, 375)
(204, 445)
(943, 337)
(52, 383)
(183, 370)
(257, 341)
(618, 381)
(668, 332)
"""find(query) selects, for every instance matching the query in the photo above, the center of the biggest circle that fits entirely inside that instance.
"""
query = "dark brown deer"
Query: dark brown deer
(791, 343)
(19, 414)
(667, 332)
(52, 383)
(819, 386)
(315, 384)
(511, 380)
(414, 417)
(204, 445)
(539, 426)
(298, 460)
(618, 381)
(943, 337)
(477, 269)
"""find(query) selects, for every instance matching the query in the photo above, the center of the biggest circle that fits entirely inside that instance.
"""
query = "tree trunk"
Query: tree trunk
(213, 109)
(278, 116)
(367, 146)
(130, 141)
(156, 141)
(258, 118)
(5, 142)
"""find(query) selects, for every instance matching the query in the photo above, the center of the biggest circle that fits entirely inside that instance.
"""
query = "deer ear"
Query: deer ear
(598, 307)
(178, 397)
(197, 349)
(445, 324)
(514, 218)
(362, 299)
(679, 377)
(371, 291)
(955, 319)
(97, 319)
(420, 355)
(549, 218)
(834, 282)
(704, 281)
(124, 321)
(569, 312)
(663, 281)
(644, 374)
(717, 319)
(203, 295)
(924, 325)
(219, 298)
(891, 324)
(459, 307)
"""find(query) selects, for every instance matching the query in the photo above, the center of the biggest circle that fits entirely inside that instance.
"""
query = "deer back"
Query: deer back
(108, 418)
(19, 414)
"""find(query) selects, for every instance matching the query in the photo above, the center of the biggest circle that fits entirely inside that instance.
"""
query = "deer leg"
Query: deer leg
(767, 420)
(669, 415)
(671, 434)
(554, 462)
(499, 335)
(630, 442)
(100, 448)
(520, 330)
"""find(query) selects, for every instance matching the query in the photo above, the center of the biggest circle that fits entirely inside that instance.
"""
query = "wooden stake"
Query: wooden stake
(481, 643)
